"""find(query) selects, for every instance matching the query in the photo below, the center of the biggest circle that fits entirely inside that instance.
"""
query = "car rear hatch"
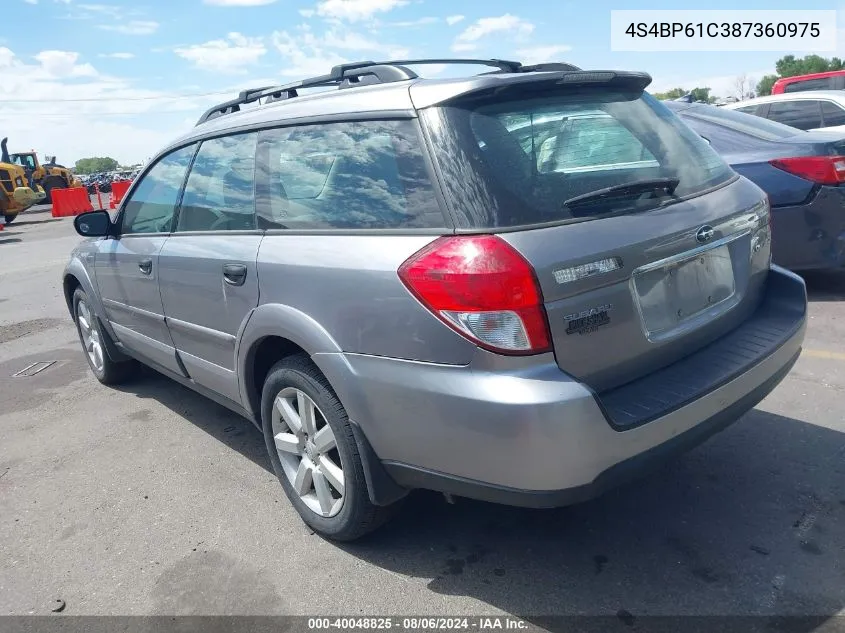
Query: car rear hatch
(646, 246)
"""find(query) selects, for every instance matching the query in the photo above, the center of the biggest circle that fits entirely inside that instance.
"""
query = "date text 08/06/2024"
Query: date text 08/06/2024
(422, 623)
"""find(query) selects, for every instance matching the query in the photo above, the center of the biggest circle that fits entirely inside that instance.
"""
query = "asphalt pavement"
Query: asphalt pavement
(149, 499)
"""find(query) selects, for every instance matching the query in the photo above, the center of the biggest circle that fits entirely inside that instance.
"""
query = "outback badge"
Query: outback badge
(588, 321)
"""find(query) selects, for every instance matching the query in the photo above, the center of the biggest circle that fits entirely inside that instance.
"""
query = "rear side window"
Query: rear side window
(152, 204)
(805, 114)
(755, 126)
(747, 109)
(833, 114)
(349, 175)
(219, 192)
(523, 161)
(825, 83)
(722, 139)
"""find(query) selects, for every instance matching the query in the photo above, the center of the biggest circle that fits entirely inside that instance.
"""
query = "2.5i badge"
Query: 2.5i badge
(588, 321)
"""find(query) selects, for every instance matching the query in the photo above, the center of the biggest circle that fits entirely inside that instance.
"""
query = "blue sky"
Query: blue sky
(120, 78)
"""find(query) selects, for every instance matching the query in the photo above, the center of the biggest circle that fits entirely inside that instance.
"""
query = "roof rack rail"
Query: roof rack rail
(383, 73)
(366, 73)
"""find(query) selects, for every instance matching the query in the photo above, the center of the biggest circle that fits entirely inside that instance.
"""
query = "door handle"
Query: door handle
(234, 274)
(146, 266)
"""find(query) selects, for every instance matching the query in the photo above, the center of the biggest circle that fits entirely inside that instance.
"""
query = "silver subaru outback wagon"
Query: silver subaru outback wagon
(521, 286)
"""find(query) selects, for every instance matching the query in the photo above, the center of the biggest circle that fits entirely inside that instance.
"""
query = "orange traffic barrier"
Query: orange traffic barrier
(62, 203)
(83, 200)
(70, 202)
(118, 190)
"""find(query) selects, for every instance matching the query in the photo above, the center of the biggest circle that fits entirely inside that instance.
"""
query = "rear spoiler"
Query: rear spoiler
(540, 83)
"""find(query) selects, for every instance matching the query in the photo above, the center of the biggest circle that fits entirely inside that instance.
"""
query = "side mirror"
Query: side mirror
(93, 224)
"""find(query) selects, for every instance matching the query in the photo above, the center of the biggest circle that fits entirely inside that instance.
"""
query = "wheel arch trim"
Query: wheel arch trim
(278, 321)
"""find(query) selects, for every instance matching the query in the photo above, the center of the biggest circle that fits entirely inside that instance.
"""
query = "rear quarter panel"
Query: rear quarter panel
(348, 286)
(783, 188)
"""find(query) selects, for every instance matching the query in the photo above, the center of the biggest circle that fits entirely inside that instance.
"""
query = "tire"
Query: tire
(350, 516)
(49, 185)
(10, 217)
(93, 339)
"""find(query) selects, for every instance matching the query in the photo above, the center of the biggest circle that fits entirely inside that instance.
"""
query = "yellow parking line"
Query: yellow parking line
(820, 353)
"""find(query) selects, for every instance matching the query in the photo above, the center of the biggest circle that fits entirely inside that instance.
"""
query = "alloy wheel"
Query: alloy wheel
(308, 452)
(90, 336)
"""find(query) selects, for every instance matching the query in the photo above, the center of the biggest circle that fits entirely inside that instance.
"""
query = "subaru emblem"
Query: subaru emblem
(705, 234)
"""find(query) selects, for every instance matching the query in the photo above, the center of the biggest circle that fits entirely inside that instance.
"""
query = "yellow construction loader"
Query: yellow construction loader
(25, 181)
(17, 191)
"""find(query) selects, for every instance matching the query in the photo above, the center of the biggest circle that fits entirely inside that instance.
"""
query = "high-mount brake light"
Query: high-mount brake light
(484, 289)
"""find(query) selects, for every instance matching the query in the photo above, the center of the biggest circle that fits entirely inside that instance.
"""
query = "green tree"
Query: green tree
(702, 94)
(95, 164)
(764, 86)
(674, 93)
(790, 66)
(699, 94)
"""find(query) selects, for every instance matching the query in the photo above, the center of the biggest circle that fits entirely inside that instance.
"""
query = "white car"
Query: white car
(810, 110)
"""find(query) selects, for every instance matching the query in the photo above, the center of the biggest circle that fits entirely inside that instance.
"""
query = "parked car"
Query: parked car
(830, 80)
(405, 284)
(802, 172)
(815, 110)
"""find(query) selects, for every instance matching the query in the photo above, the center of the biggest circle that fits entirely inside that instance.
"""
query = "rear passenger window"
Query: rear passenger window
(833, 114)
(351, 175)
(219, 193)
(804, 114)
(825, 83)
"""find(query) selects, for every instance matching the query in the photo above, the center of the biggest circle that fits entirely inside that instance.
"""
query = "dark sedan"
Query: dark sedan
(803, 173)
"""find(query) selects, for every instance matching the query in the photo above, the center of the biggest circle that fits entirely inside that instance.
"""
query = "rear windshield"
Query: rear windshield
(522, 162)
(750, 124)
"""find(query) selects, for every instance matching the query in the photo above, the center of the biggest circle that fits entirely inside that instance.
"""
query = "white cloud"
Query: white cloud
(507, 23)
(132, 27)
(306, 54)
(93, 115)
(349, 41)
(102, 9)
(454, 19)
(62, 64)
(355, 10)
(239, 3)
(540, 54)
(230, 55)
(307, 13)
(117, 55)
(412, 23)
(31, 1)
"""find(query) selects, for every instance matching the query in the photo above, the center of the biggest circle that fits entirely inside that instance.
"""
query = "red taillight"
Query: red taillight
(824, 170)
(484, 289)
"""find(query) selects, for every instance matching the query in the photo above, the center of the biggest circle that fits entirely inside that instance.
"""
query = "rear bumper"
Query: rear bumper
(811, 236)
(533, 436)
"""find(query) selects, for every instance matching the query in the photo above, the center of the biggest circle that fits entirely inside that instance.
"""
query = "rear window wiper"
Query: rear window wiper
(666, 185)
